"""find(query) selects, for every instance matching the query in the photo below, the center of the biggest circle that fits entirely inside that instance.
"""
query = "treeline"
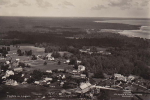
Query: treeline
(59, 40)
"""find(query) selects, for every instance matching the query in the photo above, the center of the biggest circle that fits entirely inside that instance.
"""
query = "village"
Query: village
(29, 66)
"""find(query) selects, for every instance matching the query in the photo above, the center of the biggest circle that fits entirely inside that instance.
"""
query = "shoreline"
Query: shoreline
(136, 33)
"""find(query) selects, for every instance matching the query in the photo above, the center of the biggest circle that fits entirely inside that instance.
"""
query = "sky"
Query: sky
(76, 8)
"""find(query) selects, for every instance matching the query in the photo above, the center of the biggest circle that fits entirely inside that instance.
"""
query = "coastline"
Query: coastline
(137, 33)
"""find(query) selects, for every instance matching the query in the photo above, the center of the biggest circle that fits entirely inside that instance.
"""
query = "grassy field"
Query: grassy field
(39, 63)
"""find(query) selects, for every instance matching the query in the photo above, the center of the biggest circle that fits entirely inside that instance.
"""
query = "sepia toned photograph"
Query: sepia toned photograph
(74, 49)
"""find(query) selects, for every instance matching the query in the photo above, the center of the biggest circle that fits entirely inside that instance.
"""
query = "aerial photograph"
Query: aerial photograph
(74, 49)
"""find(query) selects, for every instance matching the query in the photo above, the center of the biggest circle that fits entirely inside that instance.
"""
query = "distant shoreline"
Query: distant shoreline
(143, 32)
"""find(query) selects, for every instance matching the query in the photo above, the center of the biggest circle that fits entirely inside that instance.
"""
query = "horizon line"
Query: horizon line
(79, 17)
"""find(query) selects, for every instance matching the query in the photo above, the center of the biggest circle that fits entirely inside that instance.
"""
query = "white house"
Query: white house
(18, 60)
(51, 58)
(37, 82)
(120, 77)
(18, 69)
(11, 82)
(78, 62)
(9, 72)
(48, 79)
(7, 62)
(67, 61)
(74, 72)
(81, 68)
(84, 87)
(63, 76)
(131, 77)
(83, 76)
(49, 71)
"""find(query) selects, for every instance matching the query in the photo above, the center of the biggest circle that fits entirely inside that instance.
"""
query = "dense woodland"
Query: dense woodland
(128, 55)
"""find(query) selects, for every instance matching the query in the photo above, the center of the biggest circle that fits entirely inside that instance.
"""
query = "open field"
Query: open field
(39, 63)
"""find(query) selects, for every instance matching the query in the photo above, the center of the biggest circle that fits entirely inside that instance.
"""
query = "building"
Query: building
(131, 78)
(60, 70)
(18, 69)
(75, 72)
(49, 71)
(18, 60)
(49, 55)
(11, 82)
(83, 76)
(83, 88)
(7, 62)
(51, 58)
(67, 61)
(120, 77)
(37, 82)
(79, 62)
(9, 72)
(81, 68)
(61, 84)
(47, 79)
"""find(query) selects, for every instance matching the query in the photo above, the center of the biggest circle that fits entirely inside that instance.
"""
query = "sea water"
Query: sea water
(143, 32)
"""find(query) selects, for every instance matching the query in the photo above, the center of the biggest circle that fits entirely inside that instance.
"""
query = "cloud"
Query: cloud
(4, 2)
(123, 4)
(98, 7)
(13, 5)
(43, 4)
(66, 3)
(145, 2)
(23, 2)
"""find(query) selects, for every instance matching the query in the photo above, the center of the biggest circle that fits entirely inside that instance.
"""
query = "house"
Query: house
(69, 71)
(106, 53)
(49, 71)
(83, 76)
(76, 76)
(48, 79)
(49, 55)
(11, 82)
(60, 70)
(63, 76)
(61, 83)
(83, 88)
(120, 77)
(48, 83)
(78, 62)
(81, 68)
(25, 79)
(74, 72)
(67, 61)
(9, 72)
(51, 58)
(18, 69)
(131, 78)
(7, 62)
(37, 82)
(18, 60)
(39, 56)
(22, 75)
